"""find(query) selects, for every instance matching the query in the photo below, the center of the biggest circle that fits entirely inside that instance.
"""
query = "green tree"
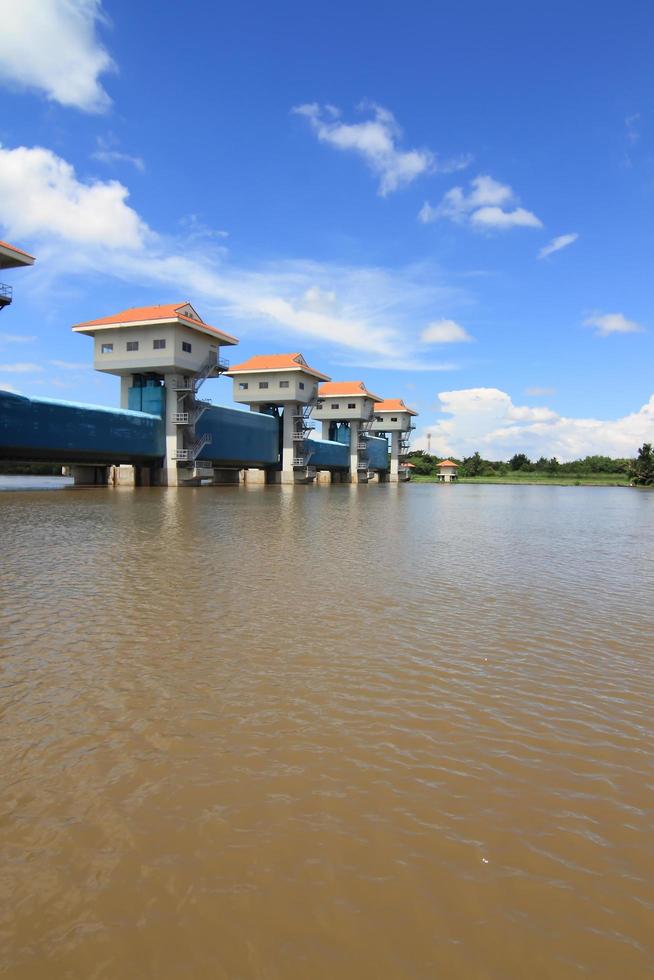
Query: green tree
(520, 462)
(642, 468)
(473, 465)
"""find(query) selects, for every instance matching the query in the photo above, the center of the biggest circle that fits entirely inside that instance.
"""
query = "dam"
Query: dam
(165, 433)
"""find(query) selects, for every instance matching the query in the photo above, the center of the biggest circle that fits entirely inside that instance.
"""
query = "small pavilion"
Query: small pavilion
(447, 471)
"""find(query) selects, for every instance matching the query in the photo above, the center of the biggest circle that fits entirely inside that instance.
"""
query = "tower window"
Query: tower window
(158, 344)
(186, 347)
(242, 386)
(107, 348)
(263, 384)
(302, 385)
(351, 405)
(336, 405)
(283, 384)
(132, 345)
(393, 418)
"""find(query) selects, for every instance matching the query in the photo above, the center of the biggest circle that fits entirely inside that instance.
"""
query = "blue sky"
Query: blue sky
(375, 185)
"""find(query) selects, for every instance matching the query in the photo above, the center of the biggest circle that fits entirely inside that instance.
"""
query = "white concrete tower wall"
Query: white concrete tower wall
(356, 475)
(394, 473)
(353, 403)
(288, 448)
(172, 343)
(394, 418)
(283, 381)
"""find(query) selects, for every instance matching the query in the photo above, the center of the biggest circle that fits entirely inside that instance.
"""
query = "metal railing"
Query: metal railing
(6, 294)
(190, 454)
(183, 383)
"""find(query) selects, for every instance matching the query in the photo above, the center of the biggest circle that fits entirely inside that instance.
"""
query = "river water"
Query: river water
(327, 732)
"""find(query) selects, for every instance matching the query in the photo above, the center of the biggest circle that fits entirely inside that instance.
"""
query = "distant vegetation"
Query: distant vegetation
(521, 469)
(641, 470)
(29, 469)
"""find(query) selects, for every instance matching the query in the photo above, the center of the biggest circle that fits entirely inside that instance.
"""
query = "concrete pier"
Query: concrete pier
(90, 476)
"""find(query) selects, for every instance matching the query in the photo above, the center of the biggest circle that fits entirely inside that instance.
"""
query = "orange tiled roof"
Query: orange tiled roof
(276, 362)
(345, 388)
(393, 405)
(142, 314)
(19, 251)
(448, 462)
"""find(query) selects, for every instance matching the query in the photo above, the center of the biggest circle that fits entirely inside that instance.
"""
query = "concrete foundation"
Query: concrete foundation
(226, 477)
(129, 476)
(90, 476)
(255, 476)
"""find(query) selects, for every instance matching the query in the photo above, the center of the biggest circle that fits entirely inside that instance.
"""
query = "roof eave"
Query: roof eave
(277, 370)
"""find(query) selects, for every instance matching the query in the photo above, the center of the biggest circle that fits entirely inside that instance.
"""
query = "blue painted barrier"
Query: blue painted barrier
(47, 429)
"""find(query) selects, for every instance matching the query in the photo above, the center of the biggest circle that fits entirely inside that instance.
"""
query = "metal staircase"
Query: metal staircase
(190, 408)
(302, 451)
(363, 458)
(405, 440)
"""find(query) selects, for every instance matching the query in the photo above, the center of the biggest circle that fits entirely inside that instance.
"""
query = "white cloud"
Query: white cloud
(51, 46)
(106, 155)
(444, 332)
(363, 309)
(71, 365)
(561, 241)
(15, 338)
(41, 195)
(631, 126)
(536, 391)
(485, 419)
(488, 205)
(376, 140)
(608, 323)
(5, 386)
(22, 367)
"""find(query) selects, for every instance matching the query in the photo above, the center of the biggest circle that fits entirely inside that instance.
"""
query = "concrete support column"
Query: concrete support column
(325, 429)
(255, 476)
(173, 434)
(394, 474)
(323, 476)
(125, 385)
(288, 450)
(356, 476)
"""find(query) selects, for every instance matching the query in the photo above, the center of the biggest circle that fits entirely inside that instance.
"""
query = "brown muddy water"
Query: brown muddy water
(327, 732)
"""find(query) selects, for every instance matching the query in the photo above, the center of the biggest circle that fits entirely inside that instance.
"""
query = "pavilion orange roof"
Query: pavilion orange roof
(276, 362)
(156, 314)
(16, 256)
(345, 388)
(393, 405)
(448, 462)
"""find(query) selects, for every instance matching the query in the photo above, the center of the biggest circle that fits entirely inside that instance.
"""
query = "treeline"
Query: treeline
(8, 468)
(475, 465)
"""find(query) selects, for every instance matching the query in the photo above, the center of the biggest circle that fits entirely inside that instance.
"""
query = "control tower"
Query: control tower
(270, 382)
(350, 404)
(162, 355)
(393, 417)
(11, 257)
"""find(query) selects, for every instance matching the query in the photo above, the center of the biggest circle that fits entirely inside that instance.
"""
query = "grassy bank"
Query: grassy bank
(536, 479)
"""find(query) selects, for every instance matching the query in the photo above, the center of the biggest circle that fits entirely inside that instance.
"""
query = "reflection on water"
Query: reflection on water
(317, 732)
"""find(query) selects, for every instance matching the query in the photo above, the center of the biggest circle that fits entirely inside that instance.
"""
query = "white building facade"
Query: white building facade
(168, 347)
